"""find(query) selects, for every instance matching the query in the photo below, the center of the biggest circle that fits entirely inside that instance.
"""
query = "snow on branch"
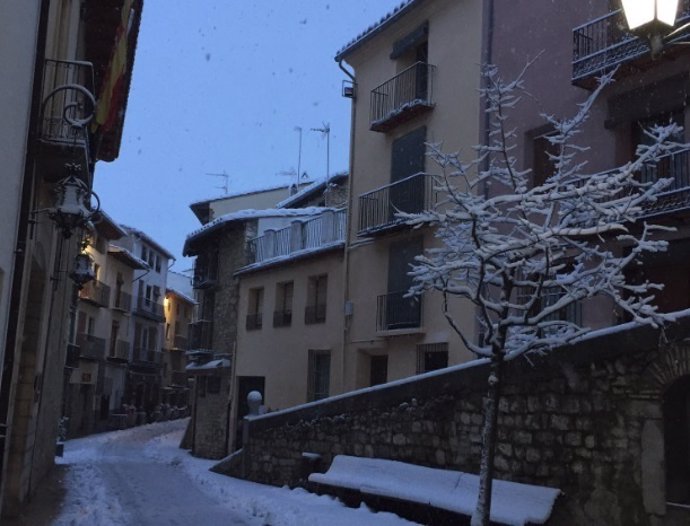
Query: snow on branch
(525, 257)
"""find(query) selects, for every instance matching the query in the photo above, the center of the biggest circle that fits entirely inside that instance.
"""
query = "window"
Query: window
(542, 165)
(378, 373)
(395, 310)
(319, 375)
(282, 316)
(431, 356)
(167, 331)
(158, 263)
(408, 155)
(255, 308)
(144, 254)
(315, 311)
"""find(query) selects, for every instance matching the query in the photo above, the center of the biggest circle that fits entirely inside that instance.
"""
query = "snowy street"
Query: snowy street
(140, 477)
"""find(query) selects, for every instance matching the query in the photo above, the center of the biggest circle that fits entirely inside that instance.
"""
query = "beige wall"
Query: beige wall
(280, 354)
(257, 201)
(454, 47)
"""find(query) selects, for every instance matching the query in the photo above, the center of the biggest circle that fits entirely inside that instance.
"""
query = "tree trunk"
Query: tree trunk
(482, 512)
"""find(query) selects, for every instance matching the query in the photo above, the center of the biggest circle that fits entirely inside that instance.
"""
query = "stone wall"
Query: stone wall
(210, 417)
(586, 419)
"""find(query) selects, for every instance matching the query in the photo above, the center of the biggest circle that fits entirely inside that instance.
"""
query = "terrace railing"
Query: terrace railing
(91, 346)
(149, 308)
(201, 335)
(122, 301)
(394, 311)
(96, 292)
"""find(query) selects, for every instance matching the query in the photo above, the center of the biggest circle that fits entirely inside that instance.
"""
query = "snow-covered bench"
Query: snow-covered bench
(453, 491)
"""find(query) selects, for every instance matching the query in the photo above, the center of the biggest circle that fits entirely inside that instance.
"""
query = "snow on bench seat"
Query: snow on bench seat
(512, 504)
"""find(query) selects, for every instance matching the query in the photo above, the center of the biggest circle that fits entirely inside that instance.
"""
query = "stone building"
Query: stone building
(63, 104)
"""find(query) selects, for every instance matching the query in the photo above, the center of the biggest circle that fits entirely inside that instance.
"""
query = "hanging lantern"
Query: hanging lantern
(73, 203)
(652, 14)
(83, 270)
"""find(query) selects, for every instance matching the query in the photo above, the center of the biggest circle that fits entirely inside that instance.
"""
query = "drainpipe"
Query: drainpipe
(487, 58)
(346, 263)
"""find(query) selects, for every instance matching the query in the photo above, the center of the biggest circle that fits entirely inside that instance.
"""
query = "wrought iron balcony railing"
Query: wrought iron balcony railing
(282, 318)
(315, 314)
(201, 335)
(605, 42)
(119, 351)
(91, 346)
(676, 197)
(149, 308)
(323, 230)
(68, 102)
(147, 356)
(404, 96)
(254, 321)
(378, 208)
(122, 301)
(394, 311)
(96, 292)
(205, 272)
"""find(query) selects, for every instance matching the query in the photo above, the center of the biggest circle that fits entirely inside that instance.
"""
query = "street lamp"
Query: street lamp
(83, 270)
(72, 208)
(652, 19)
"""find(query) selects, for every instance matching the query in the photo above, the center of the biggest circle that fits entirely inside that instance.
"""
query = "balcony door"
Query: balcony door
(402, 312)
(407, 158)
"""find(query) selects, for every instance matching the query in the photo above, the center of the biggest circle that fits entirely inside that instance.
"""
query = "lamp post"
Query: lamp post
(653, 20)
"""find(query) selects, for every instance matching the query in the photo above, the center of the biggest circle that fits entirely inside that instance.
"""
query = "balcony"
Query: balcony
(315, 314)
(254, 321)
(122, 301)
(72, 359)
(403, 97)
(378, 208)
(605, 42)
(119, 351)
(149, 309)
(147, 357)
(322, 231)
(96, 292)
(396, 312)
(201, 335)
(282, 318)
(91, 347)
(205, 273)
(180, 342)
(676, 197)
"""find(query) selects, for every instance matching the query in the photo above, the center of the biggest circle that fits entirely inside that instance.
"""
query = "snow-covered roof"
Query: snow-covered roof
(308, 190)
(375, 28)
(207, 367)
(512, 503)
(148, 239)
(258, 190)
(245, 215)
(180, 294)
(127, 257)
(107, 222)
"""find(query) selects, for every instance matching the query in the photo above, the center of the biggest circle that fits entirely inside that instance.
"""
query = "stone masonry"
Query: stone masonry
(586, 419)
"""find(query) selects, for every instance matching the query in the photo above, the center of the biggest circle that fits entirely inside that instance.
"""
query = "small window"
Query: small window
(431, 356)
(282, 316)
(255, 309)
(158, 263)
(144, 253)
(317, 290)
(542, 163)
(319, 375)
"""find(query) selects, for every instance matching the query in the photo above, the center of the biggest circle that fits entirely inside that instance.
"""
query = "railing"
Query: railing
(282, 318)
(149, 308)
(254, 321)
(205, 272)
(315, 314)
(395, 311)
(72, 359)
(91, 347)
(119, 351)
(402, 97)
(201, 335)
(122, 301)
(378, 208)
(96, 292)
(147, 356)
(180, 342)
(68, 102)
(605, 42)
(323, 230)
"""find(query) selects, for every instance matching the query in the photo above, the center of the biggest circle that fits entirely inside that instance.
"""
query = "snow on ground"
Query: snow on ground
(95, 469)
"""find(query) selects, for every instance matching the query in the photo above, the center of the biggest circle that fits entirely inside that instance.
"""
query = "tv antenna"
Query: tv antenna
(326, 130)
(226, 180)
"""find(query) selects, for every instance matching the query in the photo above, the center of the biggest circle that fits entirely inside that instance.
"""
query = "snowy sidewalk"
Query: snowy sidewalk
(139, 476)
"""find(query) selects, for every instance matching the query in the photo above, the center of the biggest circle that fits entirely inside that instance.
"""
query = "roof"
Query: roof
(377, 27)
(241, 194)
(208, 367)
(180, 295)
(245, 215)
(107, 227)
(124, 255)
(145, 237)
(311, 189)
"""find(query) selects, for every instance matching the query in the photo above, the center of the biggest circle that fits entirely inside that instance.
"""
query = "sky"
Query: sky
(219, 87)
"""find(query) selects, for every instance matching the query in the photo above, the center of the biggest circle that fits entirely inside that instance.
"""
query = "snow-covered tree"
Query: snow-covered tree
(521, 255)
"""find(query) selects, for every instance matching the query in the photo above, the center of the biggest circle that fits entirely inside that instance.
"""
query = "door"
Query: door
(402, 312)
(407, 159)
